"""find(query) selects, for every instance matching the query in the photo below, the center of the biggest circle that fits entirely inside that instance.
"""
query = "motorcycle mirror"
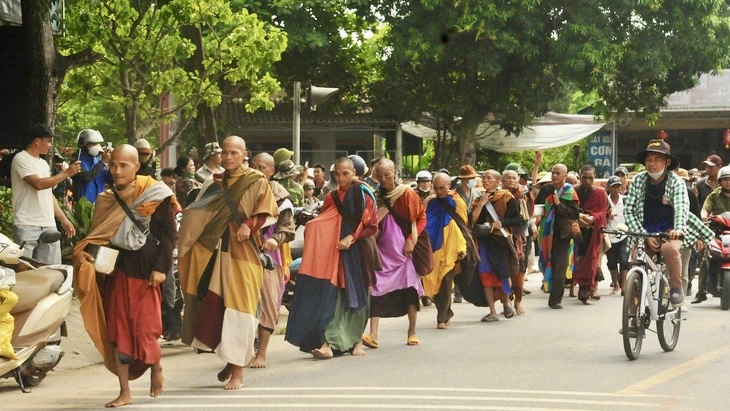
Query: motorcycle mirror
(49, 236)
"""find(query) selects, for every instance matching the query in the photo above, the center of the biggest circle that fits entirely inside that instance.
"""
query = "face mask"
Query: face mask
(472, 183)
(94, 150)
(425, 191)
(656, 175)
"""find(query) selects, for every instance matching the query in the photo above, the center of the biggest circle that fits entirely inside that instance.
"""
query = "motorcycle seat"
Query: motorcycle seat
(34, 285)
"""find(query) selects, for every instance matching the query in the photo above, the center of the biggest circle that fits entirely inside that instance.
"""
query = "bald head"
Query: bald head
(125, 151)
(441, 183)
(558, 174)
(264, 162)
(234, 153)
(441, 178)
(386, 174)
(123, 165)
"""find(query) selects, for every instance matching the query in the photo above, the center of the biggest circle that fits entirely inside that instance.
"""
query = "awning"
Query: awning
(549, 131)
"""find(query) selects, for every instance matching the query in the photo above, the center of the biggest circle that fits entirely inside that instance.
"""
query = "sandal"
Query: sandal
(368, 341)
(509, 312)
(489, 318)
(413, 340)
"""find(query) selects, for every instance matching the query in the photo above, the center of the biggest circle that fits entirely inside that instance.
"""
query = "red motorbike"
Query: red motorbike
(719, 254)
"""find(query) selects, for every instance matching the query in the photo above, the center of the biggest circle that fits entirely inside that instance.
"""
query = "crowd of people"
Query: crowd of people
(378, 248)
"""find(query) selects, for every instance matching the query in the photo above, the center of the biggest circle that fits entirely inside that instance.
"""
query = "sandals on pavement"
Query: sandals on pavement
(413, 340)
(368, 341)
(509, 312)
(489, 318)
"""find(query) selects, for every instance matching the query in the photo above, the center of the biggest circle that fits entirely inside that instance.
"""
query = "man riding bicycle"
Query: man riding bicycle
(658, 202)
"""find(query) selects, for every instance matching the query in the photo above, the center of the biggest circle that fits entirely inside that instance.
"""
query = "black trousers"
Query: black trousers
(442, 300)
(559, 261)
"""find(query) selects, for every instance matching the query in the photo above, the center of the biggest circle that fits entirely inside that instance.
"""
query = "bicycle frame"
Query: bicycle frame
(650, 289)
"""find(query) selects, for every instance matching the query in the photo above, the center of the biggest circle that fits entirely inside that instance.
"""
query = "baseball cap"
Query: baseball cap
(143, 146)
(212, 148)
(613, 181)
(40, 130)
(713, 160)
(622, 170)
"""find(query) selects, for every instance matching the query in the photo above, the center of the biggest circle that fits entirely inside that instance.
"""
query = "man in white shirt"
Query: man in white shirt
(34, 206)
(212, 163)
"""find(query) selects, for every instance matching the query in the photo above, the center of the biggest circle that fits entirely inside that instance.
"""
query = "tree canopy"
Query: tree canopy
(143, 54)
(505, 62)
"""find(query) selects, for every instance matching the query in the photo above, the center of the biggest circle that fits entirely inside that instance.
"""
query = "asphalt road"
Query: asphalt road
(570, 359)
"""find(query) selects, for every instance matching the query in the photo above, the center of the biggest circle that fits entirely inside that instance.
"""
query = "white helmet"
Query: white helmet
(723, 173)
(87, 136)
(423, 175)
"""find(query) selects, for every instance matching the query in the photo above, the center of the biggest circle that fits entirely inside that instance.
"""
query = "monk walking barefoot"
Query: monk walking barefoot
(128, 302)
(324, 352)
(236, 380)
(357, 350)
(157, 381)
(225, 374)
(259, 361)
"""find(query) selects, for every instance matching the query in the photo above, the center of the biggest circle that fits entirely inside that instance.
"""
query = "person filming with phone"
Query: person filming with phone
(94, 157)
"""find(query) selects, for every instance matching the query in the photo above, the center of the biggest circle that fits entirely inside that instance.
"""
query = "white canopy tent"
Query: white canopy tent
(549, 131)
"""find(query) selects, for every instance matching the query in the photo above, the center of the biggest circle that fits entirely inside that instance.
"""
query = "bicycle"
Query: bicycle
(646, 298)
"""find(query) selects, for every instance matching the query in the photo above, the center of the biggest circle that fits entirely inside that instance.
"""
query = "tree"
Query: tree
(505, 62)
(145, 54)
(333, 43)
(46, 66)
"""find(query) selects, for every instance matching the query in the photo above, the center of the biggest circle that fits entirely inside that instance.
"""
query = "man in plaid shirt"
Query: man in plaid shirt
(663, 195)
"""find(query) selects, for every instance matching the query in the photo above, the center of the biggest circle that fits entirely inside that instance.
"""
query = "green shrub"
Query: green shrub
(6, 211)
(80, 216)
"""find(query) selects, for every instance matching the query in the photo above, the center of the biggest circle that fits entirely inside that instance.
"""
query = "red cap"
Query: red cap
(713, 160)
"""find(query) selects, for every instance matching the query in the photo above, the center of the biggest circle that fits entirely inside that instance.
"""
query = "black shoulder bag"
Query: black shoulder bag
(264, 259)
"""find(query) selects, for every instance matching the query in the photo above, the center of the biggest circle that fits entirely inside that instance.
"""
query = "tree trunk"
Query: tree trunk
(45, 79)
(206, 119)
(465, 135)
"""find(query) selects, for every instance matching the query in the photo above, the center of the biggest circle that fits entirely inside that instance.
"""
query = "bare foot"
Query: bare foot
(520, 309)
(323, 353)
(157, 381)
(225, 374)
(442, 326)
(121, 400)
(257, 362)
(236, 380)
(357, 350)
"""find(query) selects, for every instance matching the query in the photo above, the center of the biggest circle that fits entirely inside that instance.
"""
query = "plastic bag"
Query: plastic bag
(8, 299)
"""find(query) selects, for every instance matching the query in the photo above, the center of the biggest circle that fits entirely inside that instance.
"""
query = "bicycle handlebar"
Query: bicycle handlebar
(663, 236)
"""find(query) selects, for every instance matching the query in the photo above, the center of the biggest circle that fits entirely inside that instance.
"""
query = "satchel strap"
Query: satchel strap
(128, 212)
(344, 213)
(234, 211)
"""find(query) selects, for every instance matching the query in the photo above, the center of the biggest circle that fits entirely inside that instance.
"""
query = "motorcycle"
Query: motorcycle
(301, 217)
(43, 300)
(719, 255)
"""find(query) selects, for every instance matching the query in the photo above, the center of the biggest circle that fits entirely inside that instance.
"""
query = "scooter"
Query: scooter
(44, 299)
(719, 254)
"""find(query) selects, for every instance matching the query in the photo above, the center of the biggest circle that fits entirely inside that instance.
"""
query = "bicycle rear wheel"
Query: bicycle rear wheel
(632, 319)
(670, 318)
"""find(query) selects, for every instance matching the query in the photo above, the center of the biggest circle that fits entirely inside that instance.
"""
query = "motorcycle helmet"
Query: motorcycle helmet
(423, 175)
(89, 136)
(723, 173)
(361, 168)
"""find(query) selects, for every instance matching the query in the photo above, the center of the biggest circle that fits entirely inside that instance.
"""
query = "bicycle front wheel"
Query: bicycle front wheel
(670, 318)
(632, 319)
